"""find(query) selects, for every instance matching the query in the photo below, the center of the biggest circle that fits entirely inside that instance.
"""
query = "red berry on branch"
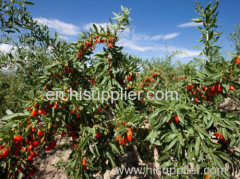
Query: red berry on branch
(62, 134)
(122, 142)
(176, 119)
(84, 162)
(129, 137)
(17, 138)
(129, 77)
(6, 152)
(237, 60)
(98, 135)
(231, 87)
(55, 105)
(207, 176)
(34, 113)
(222, 138)
(196, 100)
(39, 133)
(35, 144)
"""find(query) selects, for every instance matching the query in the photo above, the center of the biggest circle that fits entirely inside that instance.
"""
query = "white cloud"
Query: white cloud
(59, 26)
(90, 25)
(130, 44)
(5, 48)
(143, 42)
(156, 48)
(190, 24)
(125, 33)
(170, 36)
(184, 52)
(140, 37)
(156, 37)
(188, 53)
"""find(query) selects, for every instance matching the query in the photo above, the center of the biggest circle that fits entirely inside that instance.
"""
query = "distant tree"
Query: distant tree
(235, 37)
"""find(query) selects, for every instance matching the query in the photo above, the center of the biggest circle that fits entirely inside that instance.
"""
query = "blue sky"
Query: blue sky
(156, 23)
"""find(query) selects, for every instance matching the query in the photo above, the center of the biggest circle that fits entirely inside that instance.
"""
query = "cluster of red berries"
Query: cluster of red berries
(217, 134)
(24, 148)
(43, 111)
(207, 92)
(128, 138)
(176, 119)
(92, 41)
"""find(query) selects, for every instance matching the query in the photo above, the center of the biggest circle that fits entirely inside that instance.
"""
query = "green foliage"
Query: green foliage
(13, 15)
(11, 94)
(208, 17)
(235, 37)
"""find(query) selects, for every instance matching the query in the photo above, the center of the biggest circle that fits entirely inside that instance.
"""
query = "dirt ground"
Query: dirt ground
(49, 162)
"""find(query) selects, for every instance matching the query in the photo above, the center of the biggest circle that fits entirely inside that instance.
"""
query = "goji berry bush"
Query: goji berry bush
(189, 131)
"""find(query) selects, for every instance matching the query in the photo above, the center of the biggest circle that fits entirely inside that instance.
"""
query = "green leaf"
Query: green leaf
(114, 147)
(224, 131)
(9, 31)
(190, 152)
(86, 175)
(215, 7)
(197, 20)
(95, 27)
(9, 112)
(223, 155)
(166, 164)
(153, 136)
(199, 47)
(154, 114)
(96, 148)
(111, 159)
(20, 175)
(165, 157)
(170, 137)
(91, 150)
(210, 123)
(73, 163)
(83, 143)
(171, 145)
(197, 145)
(180, 117)
(201, 131)
(28, 2)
